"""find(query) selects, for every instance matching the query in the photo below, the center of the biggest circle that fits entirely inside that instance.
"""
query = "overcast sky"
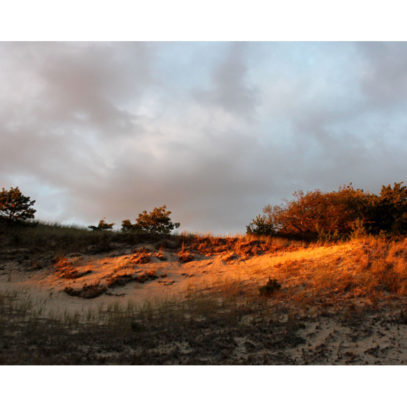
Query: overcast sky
(213, 130)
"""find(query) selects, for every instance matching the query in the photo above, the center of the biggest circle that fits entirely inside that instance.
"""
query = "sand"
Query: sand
(377, 336)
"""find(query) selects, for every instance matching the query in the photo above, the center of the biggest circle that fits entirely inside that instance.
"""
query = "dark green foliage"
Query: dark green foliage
(156, 222)
(102, 226)
(260, 226)
(270, 287)
(14, 206)
(388, 212)
(336, 215)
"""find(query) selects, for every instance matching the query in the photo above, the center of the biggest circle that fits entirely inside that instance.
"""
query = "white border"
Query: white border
(203, 386)
(194, 20)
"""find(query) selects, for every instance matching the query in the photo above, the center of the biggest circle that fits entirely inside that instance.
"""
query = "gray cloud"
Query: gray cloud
(230, 88)
(384, 74)
(98, 129)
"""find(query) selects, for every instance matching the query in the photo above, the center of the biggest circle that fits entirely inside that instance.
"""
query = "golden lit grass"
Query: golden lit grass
(370, 268)
(240, 246)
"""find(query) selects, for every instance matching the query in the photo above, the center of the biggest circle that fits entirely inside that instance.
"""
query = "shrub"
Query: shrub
(260, 226)
(270, 287)
(127, 226)
(184, 256)
(102, 226)
(388, 211)
(14, 206)
(316, 213)
(336, 215)
(156, 222)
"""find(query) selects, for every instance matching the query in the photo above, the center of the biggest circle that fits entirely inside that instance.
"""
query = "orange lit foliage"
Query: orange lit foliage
(239, 247)
(336, 214)
(316, 212)
(103, 225)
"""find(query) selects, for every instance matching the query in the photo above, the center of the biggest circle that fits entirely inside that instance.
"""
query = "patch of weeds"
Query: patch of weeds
(270, 287)
(87, 291)
(184, 255)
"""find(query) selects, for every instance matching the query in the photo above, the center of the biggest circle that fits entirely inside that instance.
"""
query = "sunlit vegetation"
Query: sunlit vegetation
(340, 255)
(336, 215)
(102, 225)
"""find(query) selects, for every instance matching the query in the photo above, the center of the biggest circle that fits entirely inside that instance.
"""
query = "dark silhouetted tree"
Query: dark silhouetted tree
(388, 211)
(157, 221)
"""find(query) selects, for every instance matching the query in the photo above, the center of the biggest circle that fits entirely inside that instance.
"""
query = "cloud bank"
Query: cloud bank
(213, 130)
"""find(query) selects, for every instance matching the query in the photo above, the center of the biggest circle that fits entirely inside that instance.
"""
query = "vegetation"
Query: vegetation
(336, 215)
(155, 222)
(264, 311)
(198, 330)
(270, 287)
(14, 206)
(331, 310)
(102, 226)
(56, 239)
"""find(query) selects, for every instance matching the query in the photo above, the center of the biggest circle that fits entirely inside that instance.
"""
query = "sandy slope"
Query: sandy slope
(174, 279)
(341, 336)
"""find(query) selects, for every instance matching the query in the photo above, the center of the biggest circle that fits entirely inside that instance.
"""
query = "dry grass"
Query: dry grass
(368, 268)
(141, 256)
(65, 268)
(57, 240)
(242, 247)
(184, 255)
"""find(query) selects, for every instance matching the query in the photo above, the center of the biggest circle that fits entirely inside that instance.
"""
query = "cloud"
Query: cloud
(229, 87)
(384, 74)
(213, 130)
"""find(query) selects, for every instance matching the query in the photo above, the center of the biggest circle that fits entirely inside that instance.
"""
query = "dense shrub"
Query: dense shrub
(337, 214)
(388, 212)
(14, 206)
(157, 221)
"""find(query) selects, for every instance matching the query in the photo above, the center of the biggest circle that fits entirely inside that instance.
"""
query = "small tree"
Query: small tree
(260, 225)
(157, 221)
(102, 226)
(14, 206)
(127, 226)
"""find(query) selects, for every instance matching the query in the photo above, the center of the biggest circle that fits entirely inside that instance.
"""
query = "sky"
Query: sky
(215, 131)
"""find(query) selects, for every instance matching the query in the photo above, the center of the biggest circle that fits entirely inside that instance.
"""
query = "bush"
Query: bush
(14, 206)
(336, 215)
(260, 226)
(127, 226)
(102, 226)
(316, 213)
(270, 287)
(156, 222)
(388, 213)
